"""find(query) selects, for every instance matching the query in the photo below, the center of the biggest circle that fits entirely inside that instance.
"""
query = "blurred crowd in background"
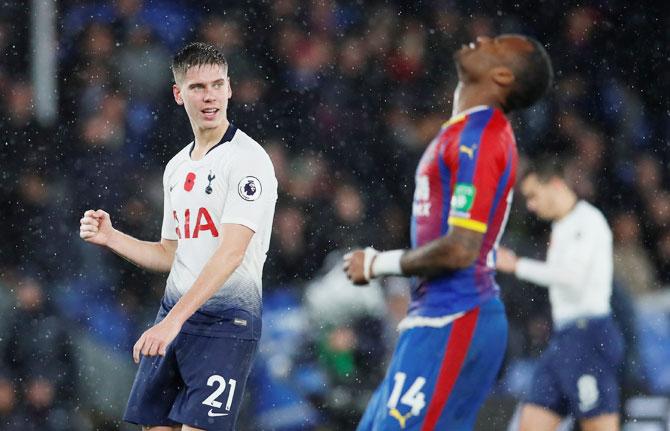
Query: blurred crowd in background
(344, 96)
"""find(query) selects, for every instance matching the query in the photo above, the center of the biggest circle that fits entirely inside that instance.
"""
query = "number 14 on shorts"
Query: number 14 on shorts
(212, 399)
(413, 398)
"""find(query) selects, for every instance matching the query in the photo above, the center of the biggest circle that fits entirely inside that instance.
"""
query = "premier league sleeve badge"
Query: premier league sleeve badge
(249, 188)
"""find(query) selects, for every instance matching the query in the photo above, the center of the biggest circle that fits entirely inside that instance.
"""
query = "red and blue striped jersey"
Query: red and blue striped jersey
(465, 178)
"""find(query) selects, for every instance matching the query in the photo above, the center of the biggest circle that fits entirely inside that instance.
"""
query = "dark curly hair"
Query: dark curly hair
(534, 75)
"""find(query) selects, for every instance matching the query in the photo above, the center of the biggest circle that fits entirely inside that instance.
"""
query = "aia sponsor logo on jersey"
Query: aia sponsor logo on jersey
(203, 223)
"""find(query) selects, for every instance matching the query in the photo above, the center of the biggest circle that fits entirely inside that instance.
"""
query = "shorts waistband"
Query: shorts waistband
(579, 322)
(430, 322)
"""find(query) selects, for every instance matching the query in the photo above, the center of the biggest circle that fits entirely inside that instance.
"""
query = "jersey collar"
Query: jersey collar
(462, 115)
(227, 137)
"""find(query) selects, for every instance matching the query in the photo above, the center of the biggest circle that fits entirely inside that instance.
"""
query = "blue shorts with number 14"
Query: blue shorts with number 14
(439, 377)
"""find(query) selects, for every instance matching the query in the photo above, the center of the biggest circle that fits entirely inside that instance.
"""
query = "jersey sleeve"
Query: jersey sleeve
(570, 270)
(251, 190)
(169, 228)
(481, 170)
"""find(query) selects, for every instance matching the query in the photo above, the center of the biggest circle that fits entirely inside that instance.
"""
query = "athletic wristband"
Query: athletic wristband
(369, 255)
(387, 263)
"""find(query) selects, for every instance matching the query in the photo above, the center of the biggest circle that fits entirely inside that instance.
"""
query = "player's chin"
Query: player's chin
(458, 63)
(210, 124)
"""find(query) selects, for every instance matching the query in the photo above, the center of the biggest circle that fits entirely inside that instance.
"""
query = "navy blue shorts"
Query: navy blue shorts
(578, 374)
(199, 382)
(439, 377)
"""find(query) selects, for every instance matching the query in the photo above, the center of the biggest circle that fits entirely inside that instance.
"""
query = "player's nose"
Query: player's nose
(209, 95)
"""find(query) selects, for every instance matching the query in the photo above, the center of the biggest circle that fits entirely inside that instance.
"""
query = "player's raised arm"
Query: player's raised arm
(96, 228)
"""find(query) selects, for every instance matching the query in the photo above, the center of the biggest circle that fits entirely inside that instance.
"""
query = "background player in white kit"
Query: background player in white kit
(578, 372)
(219, 199)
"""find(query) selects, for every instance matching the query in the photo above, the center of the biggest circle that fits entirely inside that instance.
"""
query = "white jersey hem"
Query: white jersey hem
(427, 322)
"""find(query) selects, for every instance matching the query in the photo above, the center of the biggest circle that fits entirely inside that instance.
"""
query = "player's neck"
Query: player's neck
(567, 204)
(468, 96)
(207, 138)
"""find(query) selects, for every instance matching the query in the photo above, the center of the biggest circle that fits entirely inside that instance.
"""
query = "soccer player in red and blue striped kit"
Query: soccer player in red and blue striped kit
(453, 339)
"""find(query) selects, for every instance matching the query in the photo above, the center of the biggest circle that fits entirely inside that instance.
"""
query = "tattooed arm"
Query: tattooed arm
(456, 250)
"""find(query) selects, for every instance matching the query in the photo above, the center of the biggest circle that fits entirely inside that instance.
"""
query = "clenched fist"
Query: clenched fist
(95, 227)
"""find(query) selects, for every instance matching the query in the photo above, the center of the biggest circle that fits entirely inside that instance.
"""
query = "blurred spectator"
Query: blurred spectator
(26, 144)
(648, 176)
(632, 265)
(9, 415)
(91, 72)
(38, 347)
(227, 35)
(397, 291)
(14, 39)
(406, 64)
(658, 210)
(144, 66)
(349, 228)
(287, 261)
(348, 343)
(663, 250)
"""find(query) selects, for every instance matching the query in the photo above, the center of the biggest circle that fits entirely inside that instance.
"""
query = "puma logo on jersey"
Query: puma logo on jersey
(402, 419)
(467, 150)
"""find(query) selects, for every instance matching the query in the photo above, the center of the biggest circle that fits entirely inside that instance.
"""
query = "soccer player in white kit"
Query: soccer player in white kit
(219, 198)
(578, 374)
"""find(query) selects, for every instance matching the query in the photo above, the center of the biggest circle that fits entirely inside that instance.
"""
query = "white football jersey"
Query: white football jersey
(233, 183)
(578, 270)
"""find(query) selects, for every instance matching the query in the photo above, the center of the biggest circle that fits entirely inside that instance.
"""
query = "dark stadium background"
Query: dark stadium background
(344, 96)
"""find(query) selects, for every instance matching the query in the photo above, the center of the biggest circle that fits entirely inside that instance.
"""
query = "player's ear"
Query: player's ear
(230, 89)
(502, 75)
(176, 92)
(557, 182)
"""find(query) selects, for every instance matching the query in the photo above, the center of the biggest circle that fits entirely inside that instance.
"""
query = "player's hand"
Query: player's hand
(95, 227)
(506, 260)
(156, 339)
(358, 265)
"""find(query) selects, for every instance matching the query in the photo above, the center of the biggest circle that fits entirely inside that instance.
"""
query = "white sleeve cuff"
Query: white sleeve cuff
(387, 263)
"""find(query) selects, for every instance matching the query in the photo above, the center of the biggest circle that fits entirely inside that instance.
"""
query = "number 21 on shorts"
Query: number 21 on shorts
(211, 400)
